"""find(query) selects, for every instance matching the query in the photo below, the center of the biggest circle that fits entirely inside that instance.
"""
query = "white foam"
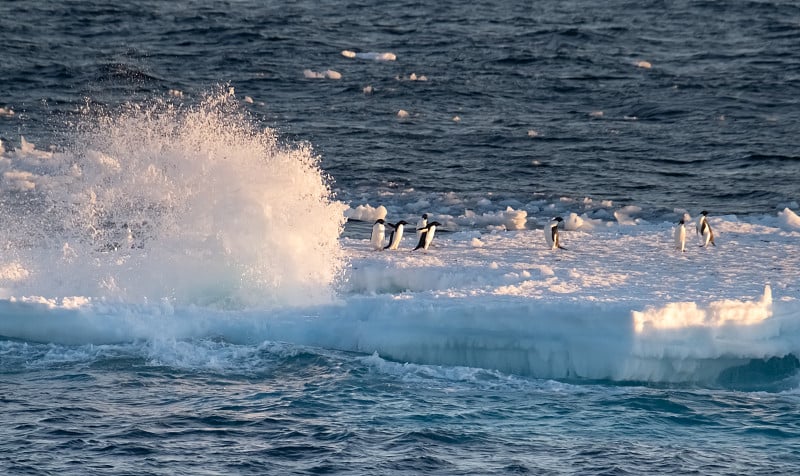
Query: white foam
(189, 204)
(6, 112)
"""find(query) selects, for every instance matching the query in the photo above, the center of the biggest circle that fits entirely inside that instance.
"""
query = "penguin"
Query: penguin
(680, 236)
(378, 234)
(426, 237)
(422, 224)
(551, 234)
(396, 236)
(704, 230)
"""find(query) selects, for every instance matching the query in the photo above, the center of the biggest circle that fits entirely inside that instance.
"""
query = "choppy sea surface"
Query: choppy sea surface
(180, 293)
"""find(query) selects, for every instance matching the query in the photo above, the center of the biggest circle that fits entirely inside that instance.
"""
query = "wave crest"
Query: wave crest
(155, 201)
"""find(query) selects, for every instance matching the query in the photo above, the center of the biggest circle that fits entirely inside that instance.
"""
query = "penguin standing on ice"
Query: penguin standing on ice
(397, 234)
(680, 236)
(704, 230)
(378, 234)
(422, 224)
(551, 234)
(426, 237)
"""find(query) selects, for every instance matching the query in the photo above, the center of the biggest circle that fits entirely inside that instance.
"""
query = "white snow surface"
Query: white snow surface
(621, 303)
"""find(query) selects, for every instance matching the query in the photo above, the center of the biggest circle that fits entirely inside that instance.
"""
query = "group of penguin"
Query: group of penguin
(703, 230)
(426, 232)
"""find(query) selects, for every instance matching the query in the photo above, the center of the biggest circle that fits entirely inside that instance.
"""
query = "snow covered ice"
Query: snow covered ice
(619, 303)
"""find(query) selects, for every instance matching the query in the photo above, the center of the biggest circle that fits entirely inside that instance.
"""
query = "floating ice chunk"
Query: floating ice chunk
(6, 112)
(385, 57)
(623, 215)
(368, 89)
(789, 220)
(456, 119)
(18, 180)
(370, 55)
(596, 114)
(533, 133)
(583, 222)
(402, 113)
(27, 151)
(327, 74)
(509, 219)
(644, 64)
(248, 99)
(366, 213)
(413, 77)
(313, 74)
(476, 243)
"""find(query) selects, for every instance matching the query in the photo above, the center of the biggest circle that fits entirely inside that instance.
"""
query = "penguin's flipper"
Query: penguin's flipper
(421, 239)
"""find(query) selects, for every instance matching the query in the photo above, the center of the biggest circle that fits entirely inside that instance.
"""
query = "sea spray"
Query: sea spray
(157, 201)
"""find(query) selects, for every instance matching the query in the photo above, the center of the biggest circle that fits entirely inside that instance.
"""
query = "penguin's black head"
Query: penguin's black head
(379, 220)
(558, 219)
(425, 216)
(436, 223)
(681, 222)
(402, 222)
(704, 213)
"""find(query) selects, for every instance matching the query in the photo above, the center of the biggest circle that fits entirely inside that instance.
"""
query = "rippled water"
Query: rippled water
(712, 121)
(214, 408)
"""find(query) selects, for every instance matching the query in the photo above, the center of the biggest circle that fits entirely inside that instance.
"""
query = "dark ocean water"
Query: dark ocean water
(711, 124)
(215, 408)
(552, 99)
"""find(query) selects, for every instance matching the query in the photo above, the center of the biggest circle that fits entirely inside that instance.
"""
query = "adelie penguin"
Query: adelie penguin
(680, 236)
(426, 235)
(704, 230)
(397, 234)
(551, 234)
(422, 224)
(378, 234)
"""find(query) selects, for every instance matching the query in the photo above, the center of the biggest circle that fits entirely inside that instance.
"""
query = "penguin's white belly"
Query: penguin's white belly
(429, 237)
(378, 235)
(398, 235)
(680, 237)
